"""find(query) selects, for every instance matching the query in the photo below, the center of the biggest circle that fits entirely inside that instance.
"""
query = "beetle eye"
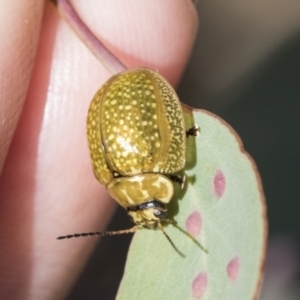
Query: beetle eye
(162, 214)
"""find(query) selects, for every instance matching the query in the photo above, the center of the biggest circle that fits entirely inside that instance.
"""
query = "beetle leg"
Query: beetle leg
(193, 131)
(178, 179)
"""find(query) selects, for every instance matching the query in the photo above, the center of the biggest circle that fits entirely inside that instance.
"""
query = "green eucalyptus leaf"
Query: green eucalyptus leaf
(222, 206)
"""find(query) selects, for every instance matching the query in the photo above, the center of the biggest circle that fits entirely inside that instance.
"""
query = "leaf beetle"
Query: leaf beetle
(137, 140)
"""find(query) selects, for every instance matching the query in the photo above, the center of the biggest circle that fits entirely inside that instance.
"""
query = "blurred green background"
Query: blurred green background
(245, 67)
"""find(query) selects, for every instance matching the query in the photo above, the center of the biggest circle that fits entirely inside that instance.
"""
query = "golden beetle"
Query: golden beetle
(137, 140)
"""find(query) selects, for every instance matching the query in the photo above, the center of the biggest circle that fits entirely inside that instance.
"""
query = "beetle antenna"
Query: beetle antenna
(97, 233)
(169, 239)
(191, 237)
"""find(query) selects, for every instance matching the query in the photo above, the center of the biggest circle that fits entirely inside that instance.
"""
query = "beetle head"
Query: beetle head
(148, 214)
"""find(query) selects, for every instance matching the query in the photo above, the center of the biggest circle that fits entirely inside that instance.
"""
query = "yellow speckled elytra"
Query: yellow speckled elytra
(137, 141)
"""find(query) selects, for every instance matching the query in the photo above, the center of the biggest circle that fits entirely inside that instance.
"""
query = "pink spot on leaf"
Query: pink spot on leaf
(199, 285)
(233, 268)
(219, 184)
(193, 223)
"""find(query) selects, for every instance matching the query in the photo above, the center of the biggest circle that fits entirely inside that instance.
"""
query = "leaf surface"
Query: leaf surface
(223, 207)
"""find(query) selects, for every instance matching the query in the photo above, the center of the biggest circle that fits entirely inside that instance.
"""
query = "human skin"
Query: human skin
(47, 187)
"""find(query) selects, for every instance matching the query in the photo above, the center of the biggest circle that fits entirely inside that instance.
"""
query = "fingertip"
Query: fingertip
(19, 30)
(158, 34)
